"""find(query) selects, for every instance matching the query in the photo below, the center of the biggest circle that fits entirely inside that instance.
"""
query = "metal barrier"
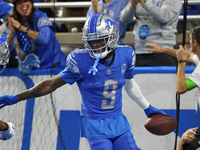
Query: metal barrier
(75, 39)
(88, 4)
(82, 4)
(70, 38)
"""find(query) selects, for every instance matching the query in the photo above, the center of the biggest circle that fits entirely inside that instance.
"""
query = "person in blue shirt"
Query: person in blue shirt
(101, 70)
(35, 35)
(112, 8)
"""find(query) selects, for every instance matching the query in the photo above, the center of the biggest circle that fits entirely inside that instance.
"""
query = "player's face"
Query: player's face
(98, 45)
(192, 44)
(24, 7)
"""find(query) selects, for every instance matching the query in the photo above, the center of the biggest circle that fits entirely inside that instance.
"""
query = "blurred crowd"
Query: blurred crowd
(34, 33)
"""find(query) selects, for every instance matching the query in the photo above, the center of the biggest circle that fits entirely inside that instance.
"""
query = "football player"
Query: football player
(5, 11)
(100, 70)
(7, 129)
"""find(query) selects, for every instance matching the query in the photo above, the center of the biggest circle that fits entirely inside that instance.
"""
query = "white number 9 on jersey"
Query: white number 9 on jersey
(109, 94)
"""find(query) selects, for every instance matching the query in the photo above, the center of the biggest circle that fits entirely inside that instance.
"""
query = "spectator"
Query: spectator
(35, 35)
(112, 8)
(187, 137)
(156, 22)
(53, 12)
(74, 12)
(184, 84)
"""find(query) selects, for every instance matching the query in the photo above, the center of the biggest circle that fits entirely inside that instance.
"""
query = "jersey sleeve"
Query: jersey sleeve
(42, 19)
(132, 59)
(71, 72)
(195, 59)
(90, 12)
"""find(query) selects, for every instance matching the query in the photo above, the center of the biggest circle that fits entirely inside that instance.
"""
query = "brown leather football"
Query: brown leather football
(159, 124)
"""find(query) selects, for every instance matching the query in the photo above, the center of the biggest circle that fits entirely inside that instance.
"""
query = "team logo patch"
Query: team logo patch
(108, 71)
(123, 68)
(110, 24)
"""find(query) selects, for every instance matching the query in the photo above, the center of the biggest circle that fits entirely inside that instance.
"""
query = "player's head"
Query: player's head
(100, 35)
(4, 51)
(195, 38)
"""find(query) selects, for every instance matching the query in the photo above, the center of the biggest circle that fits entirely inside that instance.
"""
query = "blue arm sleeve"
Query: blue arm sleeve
(129, 74)
(68, 76)
(44, 35)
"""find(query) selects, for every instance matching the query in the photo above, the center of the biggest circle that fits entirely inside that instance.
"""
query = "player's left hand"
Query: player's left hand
(150, 111)
(8, 100)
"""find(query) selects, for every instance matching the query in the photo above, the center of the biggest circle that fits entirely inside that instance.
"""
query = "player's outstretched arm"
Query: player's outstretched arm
(43, 88)
(134, 92)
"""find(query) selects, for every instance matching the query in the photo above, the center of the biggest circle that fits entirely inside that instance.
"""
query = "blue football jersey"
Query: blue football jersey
(101, 93)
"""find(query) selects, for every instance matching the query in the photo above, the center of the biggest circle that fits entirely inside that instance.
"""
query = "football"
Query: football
(159, 124)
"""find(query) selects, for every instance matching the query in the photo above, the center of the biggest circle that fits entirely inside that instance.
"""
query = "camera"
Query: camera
(193, 145)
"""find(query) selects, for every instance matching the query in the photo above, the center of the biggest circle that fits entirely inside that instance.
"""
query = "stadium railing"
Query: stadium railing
(74, 39)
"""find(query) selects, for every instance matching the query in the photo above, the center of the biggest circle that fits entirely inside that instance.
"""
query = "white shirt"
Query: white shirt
(195, 77)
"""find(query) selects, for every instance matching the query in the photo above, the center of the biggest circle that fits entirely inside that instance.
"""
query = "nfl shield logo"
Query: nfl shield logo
(108, 71)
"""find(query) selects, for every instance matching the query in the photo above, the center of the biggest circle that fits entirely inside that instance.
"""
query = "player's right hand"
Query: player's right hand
(8, 100)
